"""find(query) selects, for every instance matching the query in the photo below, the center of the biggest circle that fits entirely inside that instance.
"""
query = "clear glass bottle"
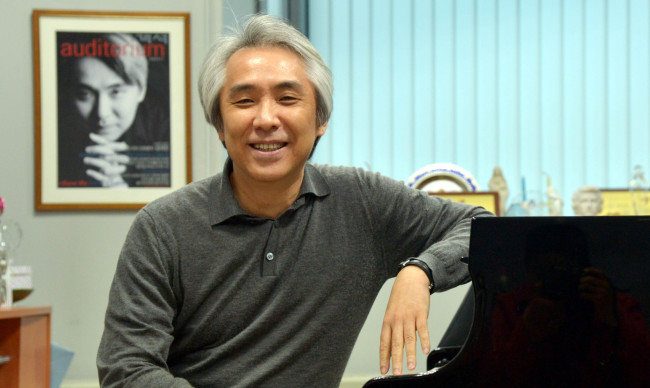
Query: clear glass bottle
(10, 237)
(639, 192)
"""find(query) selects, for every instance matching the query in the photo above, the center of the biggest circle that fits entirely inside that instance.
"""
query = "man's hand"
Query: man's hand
(595, 287)
(406, 314)
(107, 164)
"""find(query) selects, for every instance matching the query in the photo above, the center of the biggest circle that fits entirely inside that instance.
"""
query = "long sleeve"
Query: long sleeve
(416, 224)
(142, 304)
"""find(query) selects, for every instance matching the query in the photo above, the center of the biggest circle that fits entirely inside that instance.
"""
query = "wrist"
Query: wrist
(423, 266)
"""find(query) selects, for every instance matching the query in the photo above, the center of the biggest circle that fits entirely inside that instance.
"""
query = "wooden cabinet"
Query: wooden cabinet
(25, 347)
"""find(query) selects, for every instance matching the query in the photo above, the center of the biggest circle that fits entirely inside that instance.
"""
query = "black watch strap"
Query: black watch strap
(422, 265)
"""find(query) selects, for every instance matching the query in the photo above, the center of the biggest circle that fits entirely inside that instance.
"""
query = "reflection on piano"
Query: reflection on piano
(557, 301)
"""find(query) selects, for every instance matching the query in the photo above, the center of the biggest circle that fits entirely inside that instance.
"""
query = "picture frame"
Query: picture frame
(621, 202)
(111, 108)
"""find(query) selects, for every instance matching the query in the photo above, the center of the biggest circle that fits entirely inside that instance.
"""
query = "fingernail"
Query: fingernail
(411, 366)
(426, 350)
(384, 370)
(397, 371)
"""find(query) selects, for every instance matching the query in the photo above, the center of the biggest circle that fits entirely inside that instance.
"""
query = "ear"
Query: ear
(320, 131)
(143, 93)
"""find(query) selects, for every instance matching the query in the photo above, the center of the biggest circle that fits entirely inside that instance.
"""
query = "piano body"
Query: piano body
(557, 301)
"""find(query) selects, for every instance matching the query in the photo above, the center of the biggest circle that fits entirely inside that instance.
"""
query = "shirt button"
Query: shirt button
(269, 256)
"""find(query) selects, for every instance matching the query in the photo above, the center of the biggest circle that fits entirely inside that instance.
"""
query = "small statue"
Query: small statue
(587, 201)
(554, 200)
(498, 183)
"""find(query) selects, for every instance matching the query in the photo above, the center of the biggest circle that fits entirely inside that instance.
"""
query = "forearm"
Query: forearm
(443, 256)
(135, 374)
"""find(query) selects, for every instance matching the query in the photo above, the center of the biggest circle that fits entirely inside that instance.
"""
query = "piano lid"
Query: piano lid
(560, 301)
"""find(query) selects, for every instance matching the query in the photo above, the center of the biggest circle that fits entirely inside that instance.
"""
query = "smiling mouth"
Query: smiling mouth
(268, 147)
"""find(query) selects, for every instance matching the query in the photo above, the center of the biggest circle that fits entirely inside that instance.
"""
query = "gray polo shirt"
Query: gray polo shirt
(206, 295)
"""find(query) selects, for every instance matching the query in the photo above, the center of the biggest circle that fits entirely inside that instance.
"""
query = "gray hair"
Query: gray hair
(132, 64)
(263, 31)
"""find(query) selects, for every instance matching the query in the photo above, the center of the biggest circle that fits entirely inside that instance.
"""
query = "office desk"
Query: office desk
(25, 347)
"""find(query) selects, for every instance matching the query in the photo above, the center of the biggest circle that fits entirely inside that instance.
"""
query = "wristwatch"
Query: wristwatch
(422, 265)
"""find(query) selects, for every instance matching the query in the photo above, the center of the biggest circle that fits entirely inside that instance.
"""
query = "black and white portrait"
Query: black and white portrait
(113, 110)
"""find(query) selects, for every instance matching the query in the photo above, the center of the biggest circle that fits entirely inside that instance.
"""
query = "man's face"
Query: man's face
(268, 108)
(104, 100)
(588, 205)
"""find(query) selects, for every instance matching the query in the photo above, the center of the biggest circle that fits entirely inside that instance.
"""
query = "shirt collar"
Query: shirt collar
(224, 205)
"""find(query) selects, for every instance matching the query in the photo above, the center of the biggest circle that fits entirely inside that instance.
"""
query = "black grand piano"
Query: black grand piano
(554, 302)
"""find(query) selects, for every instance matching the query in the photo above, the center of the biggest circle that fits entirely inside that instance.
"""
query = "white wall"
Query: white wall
(73, 254)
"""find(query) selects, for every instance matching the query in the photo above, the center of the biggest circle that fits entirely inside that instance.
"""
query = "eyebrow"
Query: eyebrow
(291, 85)
(111, 86)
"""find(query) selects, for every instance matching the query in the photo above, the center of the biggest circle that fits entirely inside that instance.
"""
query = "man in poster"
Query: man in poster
(113, 123)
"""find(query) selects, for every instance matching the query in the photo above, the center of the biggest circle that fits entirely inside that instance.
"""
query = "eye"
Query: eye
(243, 102)
(117, 91)
(288, 99)
(83, 94)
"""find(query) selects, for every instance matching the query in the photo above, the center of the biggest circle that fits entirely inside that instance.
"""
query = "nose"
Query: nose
(266, 117)
(104, 107)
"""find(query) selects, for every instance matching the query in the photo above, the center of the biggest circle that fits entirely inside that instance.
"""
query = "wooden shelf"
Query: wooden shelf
(25, 340)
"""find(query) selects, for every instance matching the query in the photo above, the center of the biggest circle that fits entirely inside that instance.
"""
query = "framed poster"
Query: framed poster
(623, 202)
(112, 108)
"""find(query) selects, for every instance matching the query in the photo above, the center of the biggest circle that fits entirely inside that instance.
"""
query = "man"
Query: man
(264, 275)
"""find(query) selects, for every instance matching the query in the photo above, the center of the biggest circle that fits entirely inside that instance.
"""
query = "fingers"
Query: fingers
(391, 346)
(396, 350)
(423, 332)
(98, 139)
(109, 174)
(393, 341)
(115, 146)
(595, 272)
(106, 167)
(99, 149)
(106, 149)
(410, 345)
(117, 158)
(384, 348)
(596, 288)
(594, 285)
(96, 175)
(405, 319)
(109, 163)
(107, 181)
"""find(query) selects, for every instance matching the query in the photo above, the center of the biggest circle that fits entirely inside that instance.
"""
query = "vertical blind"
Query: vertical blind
(556, 88)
